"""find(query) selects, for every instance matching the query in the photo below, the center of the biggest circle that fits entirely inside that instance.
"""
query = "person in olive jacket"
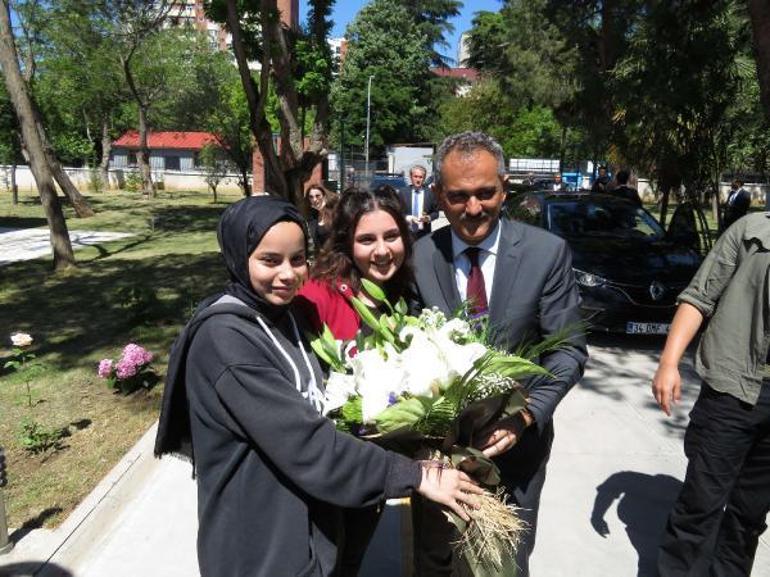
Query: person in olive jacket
(716, 522)
(243, 401)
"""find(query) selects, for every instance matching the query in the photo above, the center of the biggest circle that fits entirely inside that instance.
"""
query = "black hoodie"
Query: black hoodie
(272, 472)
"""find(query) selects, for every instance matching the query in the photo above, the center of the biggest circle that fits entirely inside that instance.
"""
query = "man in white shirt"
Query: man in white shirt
(522, 278)
(737, 204)
(419, 202)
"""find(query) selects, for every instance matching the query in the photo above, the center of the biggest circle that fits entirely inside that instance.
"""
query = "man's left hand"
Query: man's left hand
(505, 434)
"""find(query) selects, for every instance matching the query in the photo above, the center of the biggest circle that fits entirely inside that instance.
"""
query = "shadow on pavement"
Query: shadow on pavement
(630, 365)
(33, 569)
(644, 502)
(31, 524)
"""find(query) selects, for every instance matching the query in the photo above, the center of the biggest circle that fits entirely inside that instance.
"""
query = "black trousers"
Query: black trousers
(716, 522)
(522, 470)
(359, 526)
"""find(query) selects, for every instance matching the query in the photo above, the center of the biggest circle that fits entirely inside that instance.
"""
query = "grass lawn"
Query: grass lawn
(140, 289)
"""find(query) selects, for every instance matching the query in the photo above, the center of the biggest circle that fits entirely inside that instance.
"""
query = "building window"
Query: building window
(132, 159)
(172, 163)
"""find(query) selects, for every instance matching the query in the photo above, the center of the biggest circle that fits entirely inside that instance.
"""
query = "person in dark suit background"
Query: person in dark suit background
(602, 182)
(737, 204)
(420, 207)
(522, 277)
(625, 191)
(558, 184)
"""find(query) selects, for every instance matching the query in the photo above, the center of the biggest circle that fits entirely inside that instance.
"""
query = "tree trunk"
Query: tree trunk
(148, 186)
(104, 165)
(669, 178)
(759, 11)
(665, 189)
(245, 181)
(77, 201)
(63, 256)
(14, 186)
(286, 170)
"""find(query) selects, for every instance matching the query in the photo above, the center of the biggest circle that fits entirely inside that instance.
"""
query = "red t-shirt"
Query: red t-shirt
(328, 303)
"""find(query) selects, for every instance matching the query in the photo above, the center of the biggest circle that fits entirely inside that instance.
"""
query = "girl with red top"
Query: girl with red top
(370, 239)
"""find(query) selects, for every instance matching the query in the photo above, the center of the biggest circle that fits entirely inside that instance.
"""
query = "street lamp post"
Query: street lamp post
(368, 122)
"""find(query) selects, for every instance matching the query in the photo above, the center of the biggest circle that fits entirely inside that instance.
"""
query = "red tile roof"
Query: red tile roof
(173, 140)
(468, 74)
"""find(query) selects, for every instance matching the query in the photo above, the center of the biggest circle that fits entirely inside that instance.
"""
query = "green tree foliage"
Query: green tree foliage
(672, 89)
(533, 61)
(401, 104)
(293, 82)
(10, 148)
(229, 120)
(432, 19)
(79, 83)
(666, 87)
(526, 131)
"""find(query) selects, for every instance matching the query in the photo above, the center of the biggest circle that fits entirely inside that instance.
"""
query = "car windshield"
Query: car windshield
(607, 219)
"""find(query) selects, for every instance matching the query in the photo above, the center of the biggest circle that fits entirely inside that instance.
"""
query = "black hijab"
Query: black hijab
(242, 226)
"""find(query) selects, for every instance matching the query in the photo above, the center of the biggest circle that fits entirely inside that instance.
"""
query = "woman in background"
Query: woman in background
(322, 203)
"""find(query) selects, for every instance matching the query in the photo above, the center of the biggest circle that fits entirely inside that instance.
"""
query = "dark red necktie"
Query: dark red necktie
(476, 292)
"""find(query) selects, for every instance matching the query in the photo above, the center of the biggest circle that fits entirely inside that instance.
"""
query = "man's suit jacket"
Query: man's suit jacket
(534, 296)
(629, 193)
(429, 205)
(738, 208)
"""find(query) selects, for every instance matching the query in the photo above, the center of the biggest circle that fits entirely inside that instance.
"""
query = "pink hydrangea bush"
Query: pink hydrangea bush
(127, 374)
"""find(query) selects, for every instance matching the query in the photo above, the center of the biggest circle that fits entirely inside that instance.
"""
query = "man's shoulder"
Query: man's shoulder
(529, 233)
(428, 244)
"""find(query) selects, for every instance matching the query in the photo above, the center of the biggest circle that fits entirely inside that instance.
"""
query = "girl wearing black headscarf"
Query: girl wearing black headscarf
(242, 401)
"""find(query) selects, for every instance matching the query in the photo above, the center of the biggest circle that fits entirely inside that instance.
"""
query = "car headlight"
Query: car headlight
(588, 279)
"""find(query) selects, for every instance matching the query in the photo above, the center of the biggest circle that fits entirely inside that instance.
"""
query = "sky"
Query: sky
(345, 10)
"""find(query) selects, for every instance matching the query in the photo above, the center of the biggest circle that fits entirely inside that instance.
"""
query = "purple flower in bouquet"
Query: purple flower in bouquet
(105, 368)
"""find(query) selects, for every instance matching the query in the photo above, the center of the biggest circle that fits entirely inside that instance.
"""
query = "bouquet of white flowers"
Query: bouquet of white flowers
(431, 383)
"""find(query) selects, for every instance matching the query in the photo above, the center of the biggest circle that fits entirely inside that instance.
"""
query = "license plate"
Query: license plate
(647, 328)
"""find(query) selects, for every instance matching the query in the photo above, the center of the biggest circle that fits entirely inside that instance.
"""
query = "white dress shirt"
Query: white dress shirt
(418, 204)
(487, 260)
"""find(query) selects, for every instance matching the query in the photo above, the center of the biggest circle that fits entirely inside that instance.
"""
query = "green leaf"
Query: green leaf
(321, 352)
(351, 411)
(401, 307)
(476, 465)
(373, 290)
(516, 403)
(404, 413)
(385, 328)
(365, 314)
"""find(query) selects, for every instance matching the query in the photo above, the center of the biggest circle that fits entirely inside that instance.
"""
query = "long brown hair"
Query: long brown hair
(326, 214)
(336, 258)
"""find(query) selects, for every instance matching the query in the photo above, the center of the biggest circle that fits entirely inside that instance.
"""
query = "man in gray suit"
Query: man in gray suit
(526, 273)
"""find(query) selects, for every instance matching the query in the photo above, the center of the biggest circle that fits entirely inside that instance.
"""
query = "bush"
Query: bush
(133, 181)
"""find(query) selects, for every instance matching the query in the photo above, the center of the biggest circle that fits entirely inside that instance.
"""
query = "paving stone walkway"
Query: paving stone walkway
(31, 243)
